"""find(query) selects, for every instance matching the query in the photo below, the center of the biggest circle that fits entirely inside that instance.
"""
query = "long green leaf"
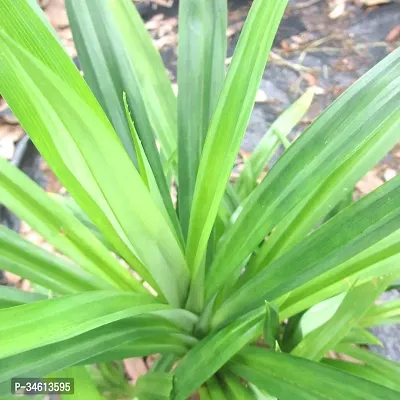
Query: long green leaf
(70, 204)
(27, 200)
(211, 353)
(234, 388)
(303, 324)
(99, 59)
(380, 259)
(159, 344)
(159, 192)
(374, 217)
(229, 122)
(269, 144)
(214, 389)
(11, 297)
(94, 23)
(33, 23)
(288, 377)
(361, 336)
(154, 386)
(144, 62)
(37, 265)
(382, 314)
(204, 394)
(363, 371)
(316, 172)
(84, 386)
(44, 322)
(387, 368)
(137, 336)
(353, 307)
(201, 72)
(81, 137)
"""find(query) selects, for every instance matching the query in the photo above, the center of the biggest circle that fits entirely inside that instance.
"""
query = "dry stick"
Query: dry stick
(305, 4)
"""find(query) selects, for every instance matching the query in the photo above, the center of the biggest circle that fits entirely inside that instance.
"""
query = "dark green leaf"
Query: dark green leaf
(362, 371)
(288, 378)
(348, 139)
(211, 353)
(201, 72)
(56, 115)
(380, 259)
(97, 48)
(41, 323)
(381, 314)
(11, 297)
(269, 144)
(61, 229)
(147, 81)
(131, 337)
(354, 305)
(229, 122)
(271, 325)
(31, 262)
(154, 386)
(374, 217)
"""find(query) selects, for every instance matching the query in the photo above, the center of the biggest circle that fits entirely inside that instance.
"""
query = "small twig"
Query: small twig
(305, 4)
(277, 59)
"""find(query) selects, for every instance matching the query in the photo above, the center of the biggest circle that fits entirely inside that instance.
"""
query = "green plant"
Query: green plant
(233, 315)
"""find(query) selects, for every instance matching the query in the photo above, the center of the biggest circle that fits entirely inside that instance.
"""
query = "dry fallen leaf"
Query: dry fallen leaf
(369, 183)
(261, 96)
(285, 45)
(43, 3)
(11, 278)
(389, 174)
(370, 3)
(338, 9)
(310, 78)
(394, 34)
(234, 28)
(9, 135)
(57, 14)
(135, 368)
